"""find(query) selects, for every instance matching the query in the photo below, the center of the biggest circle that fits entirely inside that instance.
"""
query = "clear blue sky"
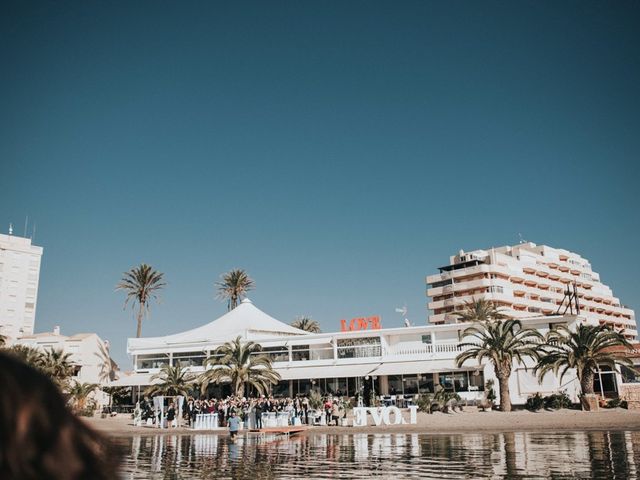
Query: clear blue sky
(338, 151)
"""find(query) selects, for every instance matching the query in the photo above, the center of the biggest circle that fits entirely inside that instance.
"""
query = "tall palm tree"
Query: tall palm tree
(108, 367)
(242, 366)
(480, 311)
(141, 284)
(234, 286)
(79, 392)
(174, 381)
(57, 365)
(307, 324)
(501, 342)
(582, 349)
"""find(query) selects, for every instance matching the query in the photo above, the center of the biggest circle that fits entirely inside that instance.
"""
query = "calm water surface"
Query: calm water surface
(601, 455)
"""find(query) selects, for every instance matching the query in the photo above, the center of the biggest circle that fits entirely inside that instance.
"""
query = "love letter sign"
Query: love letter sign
(361, 323)
(384, 415)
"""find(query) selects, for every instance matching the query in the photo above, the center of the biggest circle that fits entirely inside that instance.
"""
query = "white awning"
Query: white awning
(333, 371)
(408, 368)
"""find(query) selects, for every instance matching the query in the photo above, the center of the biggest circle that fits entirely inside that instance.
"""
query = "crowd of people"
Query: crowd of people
(250, 410)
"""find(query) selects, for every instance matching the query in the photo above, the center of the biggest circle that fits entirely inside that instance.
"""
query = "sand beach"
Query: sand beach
(467, 421)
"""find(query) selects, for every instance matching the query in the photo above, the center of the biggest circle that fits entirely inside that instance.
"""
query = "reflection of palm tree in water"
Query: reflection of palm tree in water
(609, 455)
(510, 454)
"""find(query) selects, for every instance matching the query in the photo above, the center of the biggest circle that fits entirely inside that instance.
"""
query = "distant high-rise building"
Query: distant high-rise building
(525, 280)
(19, 274)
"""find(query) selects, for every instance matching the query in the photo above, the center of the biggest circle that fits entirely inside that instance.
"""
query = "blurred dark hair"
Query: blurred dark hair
(39, 436)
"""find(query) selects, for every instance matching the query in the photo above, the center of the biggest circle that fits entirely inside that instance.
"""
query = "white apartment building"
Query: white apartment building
(19, 275)
(89, 355)
(525, 280)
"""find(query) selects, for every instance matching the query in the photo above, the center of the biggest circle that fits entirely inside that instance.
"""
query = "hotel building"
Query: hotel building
(525, 280)
(19, 275)
(396, 361)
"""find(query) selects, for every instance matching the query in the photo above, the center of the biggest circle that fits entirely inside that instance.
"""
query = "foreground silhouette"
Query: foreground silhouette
(39, 436)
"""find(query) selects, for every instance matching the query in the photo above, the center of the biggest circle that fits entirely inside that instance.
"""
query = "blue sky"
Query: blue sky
(337, 151)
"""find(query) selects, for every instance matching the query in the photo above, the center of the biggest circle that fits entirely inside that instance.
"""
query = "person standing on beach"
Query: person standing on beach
(234, 425)
(258, 413)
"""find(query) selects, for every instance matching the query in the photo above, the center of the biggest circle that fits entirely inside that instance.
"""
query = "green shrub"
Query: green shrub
(424, 402)
(534, 403)
(557, 401)
(613, 403)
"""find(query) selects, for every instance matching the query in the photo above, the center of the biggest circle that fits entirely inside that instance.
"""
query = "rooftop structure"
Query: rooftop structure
(19, 275)
(525, 280)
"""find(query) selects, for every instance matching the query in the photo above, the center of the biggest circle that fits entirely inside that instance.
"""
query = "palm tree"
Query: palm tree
(58, 365)
(501, 342)
(79, 392)
(108, 367)
(141, 284)
(29, 355)
(174, 381)
(480, 311)
(307, 324)
(582, 349)
(233, 287)
(242, 365)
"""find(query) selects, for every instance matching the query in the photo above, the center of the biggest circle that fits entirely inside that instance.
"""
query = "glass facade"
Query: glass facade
(465, 381)
(189, 359)
(359, 347)
(156, 360)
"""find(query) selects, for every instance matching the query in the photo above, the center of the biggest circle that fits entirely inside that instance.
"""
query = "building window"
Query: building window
(157, 360)
(461, 381)
(300, 353)
(425, 383)
(427, 339)
(189, 359)
(628, 375)
(277, 354)
(359, 347)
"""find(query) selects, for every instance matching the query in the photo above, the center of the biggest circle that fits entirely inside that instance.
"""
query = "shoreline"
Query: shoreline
(429, 424)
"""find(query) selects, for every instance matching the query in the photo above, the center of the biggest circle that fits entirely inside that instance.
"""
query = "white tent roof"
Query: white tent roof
(245, 320)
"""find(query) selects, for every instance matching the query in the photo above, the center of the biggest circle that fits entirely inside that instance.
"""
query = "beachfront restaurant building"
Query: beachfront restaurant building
(401, 361)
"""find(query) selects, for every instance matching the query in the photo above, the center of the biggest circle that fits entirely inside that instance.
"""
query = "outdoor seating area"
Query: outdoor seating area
(400, 401)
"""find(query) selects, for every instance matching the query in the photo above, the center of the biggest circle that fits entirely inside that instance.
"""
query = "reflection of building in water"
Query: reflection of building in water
(401, 362)
(205, 444)
(508, 455)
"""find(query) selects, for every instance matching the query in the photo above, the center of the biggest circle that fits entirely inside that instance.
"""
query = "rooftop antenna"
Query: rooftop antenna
(522, 240)
(11, 229)
(33, 233)
(404, 311)
(26, 222)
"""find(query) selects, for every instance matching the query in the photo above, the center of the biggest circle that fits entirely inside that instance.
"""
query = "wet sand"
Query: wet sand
(468, 421)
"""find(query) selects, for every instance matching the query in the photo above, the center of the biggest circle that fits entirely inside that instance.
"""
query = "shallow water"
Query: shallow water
(614, 455)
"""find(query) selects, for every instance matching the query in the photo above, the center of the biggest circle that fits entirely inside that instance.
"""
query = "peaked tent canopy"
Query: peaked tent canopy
(245, 320)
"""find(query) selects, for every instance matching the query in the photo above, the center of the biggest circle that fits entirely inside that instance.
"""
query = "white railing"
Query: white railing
(448, 347)
(415, 350)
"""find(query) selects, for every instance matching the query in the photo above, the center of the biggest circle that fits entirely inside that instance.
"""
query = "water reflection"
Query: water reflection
(507, 455)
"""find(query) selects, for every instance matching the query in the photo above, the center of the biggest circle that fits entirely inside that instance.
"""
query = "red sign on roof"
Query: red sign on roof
(361, 323)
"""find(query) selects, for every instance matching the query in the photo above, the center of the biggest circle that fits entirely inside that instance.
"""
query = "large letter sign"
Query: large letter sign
(384, 415)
